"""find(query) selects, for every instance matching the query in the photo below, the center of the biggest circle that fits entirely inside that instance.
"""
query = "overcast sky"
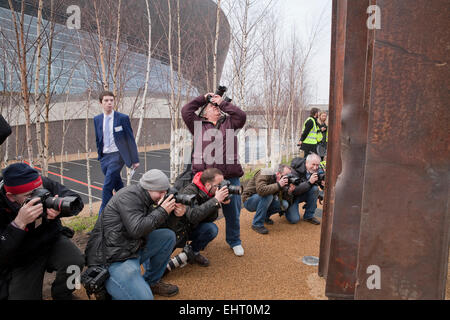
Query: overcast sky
(302, 14)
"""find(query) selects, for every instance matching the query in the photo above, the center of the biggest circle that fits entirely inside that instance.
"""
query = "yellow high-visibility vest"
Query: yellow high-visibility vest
(312, 136)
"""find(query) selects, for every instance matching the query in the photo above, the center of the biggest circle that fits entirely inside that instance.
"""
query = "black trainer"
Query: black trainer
(313, 221)
(201, 260)
(261, 230)
(268, 221)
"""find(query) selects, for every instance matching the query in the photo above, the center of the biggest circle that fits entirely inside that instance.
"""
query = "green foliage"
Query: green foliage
(80, 224)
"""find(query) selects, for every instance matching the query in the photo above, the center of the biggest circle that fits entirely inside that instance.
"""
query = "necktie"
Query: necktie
(107, 132)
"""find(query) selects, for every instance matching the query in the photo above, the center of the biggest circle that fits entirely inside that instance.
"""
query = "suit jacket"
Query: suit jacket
(123, 137)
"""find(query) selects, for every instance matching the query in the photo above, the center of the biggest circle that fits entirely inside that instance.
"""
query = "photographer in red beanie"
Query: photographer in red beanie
(32, 238)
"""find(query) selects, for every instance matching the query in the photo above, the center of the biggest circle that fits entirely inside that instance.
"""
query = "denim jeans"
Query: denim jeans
(310, 197)
(232, 213)
(203, 234)
(264, 207)
(126, 282)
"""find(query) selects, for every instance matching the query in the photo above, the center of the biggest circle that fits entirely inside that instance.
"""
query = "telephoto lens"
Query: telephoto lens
(181, 259)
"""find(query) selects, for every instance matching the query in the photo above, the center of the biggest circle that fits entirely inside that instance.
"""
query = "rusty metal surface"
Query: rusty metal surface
(327, 218)
(333, 149)
(341, 277)
(405, 219)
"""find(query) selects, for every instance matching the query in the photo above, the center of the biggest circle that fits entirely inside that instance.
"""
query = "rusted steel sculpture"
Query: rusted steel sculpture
(405, 219)
(353, 136)
(390, 220)
(333, 150)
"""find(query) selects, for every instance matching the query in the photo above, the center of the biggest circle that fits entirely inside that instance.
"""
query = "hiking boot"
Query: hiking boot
(261, 230)
(313, 221)
(201, 260)
(164, 289)
(268, 221)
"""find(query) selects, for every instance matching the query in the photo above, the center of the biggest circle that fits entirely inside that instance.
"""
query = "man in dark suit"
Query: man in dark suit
(115, 145)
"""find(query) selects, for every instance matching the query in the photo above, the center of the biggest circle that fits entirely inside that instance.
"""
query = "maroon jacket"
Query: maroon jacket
(234, 120)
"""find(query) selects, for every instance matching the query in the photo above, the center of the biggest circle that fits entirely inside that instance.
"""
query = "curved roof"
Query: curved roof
(197, 28)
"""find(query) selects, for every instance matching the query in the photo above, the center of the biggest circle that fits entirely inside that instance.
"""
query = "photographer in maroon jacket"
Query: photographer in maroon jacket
(217, 124)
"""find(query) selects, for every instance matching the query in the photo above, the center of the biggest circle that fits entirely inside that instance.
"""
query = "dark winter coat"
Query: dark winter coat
(127, 220)
(234, 120)
(205, 210)
(299, 166)
(20, 247)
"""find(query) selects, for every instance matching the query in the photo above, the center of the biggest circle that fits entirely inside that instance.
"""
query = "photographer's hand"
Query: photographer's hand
(180, 209)
(217, 99)
(29, 213)
(52, 213)
(291, 188)
(314, 177)
(221, 194)
(283, 181)
(168, 204)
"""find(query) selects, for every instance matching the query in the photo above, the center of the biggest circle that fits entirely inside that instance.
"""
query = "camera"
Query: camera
(321, 177)
(231, 189)
(186, 199)
(293, 179)
(93, 280)
(66, 205)
(181, 259)
(220, 91)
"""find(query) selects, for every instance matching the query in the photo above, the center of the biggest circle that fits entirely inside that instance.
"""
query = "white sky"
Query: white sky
(302, 14)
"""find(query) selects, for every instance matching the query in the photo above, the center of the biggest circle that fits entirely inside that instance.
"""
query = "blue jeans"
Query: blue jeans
(264, 207)
(111, 165)
(203, 234)
(310, 197)
(232, 213)
(126, 282)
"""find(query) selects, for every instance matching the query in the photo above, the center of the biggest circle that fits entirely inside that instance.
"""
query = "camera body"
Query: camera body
(231, 188)
(220, 91)
(66, 205)
(93, 280)
(186, 199)
(293, 179)
(321, 177)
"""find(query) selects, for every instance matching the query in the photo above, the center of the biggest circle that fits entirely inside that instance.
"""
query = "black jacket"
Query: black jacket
(299, 166)
(19, 247)
(206, 210)
(127, 219)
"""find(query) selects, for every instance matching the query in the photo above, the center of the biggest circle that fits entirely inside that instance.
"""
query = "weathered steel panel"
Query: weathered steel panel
(341, 277)
(327, 217)
(405, 219)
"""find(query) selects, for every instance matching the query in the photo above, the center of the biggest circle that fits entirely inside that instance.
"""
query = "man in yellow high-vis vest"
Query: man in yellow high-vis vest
(308, 140)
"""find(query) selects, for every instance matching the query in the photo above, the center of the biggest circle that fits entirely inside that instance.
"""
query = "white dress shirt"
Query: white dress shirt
(112, 147)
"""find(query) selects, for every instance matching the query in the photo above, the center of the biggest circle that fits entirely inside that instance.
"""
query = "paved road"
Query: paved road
(75, 173)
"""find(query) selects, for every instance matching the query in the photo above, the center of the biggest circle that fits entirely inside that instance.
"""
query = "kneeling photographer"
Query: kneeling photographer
(210, 191)
(265, 193)
(131, 232)
(32, 238)
(311, 178)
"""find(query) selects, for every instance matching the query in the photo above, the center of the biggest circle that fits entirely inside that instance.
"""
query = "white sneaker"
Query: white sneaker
(238, 250)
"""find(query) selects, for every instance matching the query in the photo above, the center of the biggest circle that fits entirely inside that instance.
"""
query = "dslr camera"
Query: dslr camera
(66, 205)
(231, 188)
(321, 176)
(293, 179)
(220, 91)
(93, 280)
(186, 199)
